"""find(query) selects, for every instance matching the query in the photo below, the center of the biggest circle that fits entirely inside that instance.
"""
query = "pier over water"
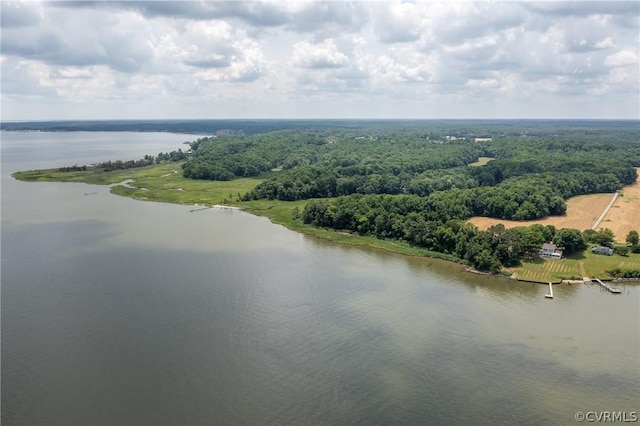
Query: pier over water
(614, 290)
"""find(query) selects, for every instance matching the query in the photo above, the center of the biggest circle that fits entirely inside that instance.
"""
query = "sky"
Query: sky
(310, 59)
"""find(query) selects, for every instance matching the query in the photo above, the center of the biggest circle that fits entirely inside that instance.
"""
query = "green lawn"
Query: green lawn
(574, 266)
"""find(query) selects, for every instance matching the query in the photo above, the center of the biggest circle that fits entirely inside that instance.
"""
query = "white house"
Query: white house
(550, 250)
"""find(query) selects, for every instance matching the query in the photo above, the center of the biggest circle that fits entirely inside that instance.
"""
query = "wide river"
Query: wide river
(123, 312)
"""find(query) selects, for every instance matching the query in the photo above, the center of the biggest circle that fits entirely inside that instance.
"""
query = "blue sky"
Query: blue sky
(308, 59)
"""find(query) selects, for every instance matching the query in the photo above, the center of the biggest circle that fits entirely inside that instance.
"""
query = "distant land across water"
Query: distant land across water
(475, 127)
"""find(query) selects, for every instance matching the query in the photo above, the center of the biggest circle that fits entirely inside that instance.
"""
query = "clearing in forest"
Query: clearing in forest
(481, 161)
(582, 211)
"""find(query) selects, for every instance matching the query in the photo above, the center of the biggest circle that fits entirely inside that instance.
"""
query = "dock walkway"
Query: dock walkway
(550, 294)
(614, 290)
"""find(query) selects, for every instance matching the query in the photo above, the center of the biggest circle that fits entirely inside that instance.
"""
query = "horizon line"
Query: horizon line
(59, 120)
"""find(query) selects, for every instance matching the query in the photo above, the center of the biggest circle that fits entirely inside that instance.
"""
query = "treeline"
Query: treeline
(459, 128)
(624, 273)
(148, 160)
(425, 222)
(519, 198)
(420, 222)
(74, 168)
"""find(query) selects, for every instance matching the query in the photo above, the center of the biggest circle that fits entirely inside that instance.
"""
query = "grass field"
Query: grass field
(624, 215)
(576, 266)
(481, 161)
(162, 182)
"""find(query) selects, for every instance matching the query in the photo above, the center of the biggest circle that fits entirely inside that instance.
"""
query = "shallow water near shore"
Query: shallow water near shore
(116, 311)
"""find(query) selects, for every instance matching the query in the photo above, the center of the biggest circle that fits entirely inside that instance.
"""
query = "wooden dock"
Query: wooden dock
(614, 290)
(550, 294)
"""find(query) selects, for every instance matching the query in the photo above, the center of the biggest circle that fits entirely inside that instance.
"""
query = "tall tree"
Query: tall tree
(570, 240)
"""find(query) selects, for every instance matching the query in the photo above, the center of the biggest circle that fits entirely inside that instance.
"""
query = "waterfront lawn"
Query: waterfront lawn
(575, 266)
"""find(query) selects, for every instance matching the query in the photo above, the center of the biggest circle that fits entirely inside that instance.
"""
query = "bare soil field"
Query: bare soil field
(582, 211)
(624, 215)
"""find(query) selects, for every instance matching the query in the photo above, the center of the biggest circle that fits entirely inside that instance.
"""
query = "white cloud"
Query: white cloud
(310, 58)
(622, 58)
(397, 22)
(321, 55)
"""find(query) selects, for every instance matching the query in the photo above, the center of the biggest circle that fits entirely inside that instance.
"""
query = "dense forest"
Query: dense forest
(418, 183)
(529, 178)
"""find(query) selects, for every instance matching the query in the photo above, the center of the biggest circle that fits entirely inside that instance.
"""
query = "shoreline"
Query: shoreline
(162, 183)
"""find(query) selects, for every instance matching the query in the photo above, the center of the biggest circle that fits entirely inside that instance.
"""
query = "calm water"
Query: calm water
(121, 312)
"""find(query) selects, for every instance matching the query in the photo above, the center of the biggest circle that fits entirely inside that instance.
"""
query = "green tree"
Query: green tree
(604, 237)
(570, 240)
(633, 238)
(621, 250)
(485, 261)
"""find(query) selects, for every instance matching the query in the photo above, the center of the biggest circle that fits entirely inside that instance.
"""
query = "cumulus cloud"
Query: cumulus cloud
(246, 65)
(331, 56)
(19, 79)
(622, 58)
(321, 55)
(121, 40)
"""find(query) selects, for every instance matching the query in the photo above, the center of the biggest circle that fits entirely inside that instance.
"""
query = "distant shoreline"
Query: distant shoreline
(250, 126)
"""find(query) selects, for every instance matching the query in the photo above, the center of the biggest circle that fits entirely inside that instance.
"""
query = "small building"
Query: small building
(607, 251)
(550, 250)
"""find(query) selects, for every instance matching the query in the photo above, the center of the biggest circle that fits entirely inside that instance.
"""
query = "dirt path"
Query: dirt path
(582, 270)
(604, 213)
(624, 215)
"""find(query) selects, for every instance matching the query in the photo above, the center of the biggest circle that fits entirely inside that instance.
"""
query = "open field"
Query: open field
(582, 211)
(574, 267)
(481, 161)
(624, 215)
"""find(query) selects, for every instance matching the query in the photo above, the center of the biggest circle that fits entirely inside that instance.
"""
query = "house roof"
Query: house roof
(548, 246)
